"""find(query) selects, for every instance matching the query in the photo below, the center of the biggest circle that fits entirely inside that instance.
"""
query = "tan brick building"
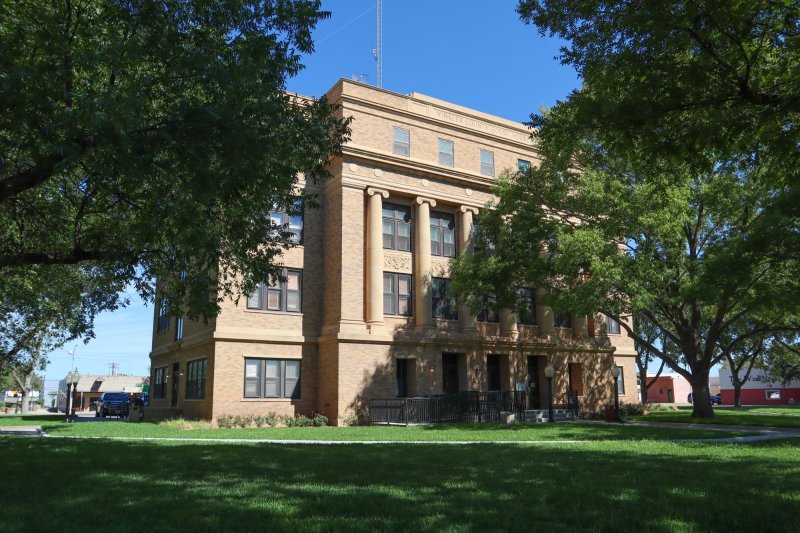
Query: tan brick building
(363, 313)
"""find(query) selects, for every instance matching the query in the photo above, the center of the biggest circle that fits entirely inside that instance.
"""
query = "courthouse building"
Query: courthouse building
(364, 311)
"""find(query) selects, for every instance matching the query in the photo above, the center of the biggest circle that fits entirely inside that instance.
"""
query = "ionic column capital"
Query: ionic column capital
(468, 208)
(372, 191)
(422, 200)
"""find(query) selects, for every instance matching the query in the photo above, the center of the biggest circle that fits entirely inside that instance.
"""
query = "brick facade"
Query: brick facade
(346, 358)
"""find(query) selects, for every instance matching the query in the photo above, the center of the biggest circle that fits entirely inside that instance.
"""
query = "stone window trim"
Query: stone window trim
(401, 141)
(263, 298)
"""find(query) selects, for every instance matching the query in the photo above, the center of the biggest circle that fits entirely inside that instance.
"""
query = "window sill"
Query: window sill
(273, 312)
(194, 399)
(281, 400)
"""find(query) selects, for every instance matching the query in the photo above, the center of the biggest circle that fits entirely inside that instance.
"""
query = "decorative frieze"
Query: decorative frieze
(440, 268)
(395, 262)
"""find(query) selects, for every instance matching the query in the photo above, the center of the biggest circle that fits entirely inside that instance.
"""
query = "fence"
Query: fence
(469, 406)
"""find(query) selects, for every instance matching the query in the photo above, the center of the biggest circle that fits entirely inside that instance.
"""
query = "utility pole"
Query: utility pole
(114, 367)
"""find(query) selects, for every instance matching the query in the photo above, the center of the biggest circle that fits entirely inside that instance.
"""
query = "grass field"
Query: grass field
(100, 485)
(441, 432)
(778, 416)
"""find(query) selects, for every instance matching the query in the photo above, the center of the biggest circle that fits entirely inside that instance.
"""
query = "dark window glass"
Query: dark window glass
(163, 316)
(443, 304)
(396, 294)
(443, 234)
(179, 328)
(271, 378)
(612, 326)
(279, 295)
(488, 313)
(621, 381)
(196, 379)
(527, 307)
(160, 385)
(524, 166)
(397, 227)
(562, 320)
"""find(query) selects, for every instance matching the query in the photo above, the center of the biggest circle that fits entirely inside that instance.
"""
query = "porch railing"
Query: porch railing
(468, 406)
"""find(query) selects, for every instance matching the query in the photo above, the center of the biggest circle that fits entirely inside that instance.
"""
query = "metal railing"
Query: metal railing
(468, 406)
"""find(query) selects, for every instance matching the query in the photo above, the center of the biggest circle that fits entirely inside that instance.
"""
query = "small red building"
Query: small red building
(668, 388)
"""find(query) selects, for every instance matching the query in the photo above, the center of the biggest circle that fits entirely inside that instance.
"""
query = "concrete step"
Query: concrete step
(542, 415)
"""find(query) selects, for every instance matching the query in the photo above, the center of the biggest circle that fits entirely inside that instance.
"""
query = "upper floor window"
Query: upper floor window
(401, 141)
(488, 313)
(163, 316)
(487, 162)
(444, 305)
(443, 234)
(396, 294)
(527, 308)
(396, 227)
(562, 320)
(523, 166)
(279, 295)
(196, 379)
(612, 326)
(446, 152)
(290, 221)
(179, 328)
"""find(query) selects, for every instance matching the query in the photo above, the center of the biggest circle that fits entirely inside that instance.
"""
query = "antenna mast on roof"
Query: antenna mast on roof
(379, 49)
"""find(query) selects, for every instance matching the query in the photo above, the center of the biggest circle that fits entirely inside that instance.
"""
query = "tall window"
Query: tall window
(527, 307)
(488, 312)
(523, 166)
(401, 144)
(160, 385)
(562, 320)
(396, 294)
(290, 221)
(279, 295)
(196, 379)
(446, 152)
(487, 162)
(612, 326)
(621, 381)
(397, 227)
(444, 305)
(443, 234)
(271, 378)
(163, 316)
(179, 328)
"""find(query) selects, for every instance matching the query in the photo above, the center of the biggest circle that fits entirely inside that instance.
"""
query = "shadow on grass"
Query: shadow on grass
(28, 420)
(101, 485)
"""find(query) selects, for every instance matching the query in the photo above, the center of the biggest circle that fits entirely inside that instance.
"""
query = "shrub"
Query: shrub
(349, 420)
(270, 419)
(634, 409)
(299, 421)
(320, 420)
(225, 421)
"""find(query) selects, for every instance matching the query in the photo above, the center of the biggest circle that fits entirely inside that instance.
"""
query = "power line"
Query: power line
(334, 32)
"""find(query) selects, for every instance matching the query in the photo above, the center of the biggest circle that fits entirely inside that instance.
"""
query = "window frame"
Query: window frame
(399, 143)
(767, 395)
(282, 288)
(163, 319)
(487, 314)
(441, 217)
(395, 294)
(451, 155)
(449, 309)
(160, 388)
(298, 209)
(621, 381)
(484, 171)
(196, 376)
(281, 379)
(560, 318)
(609, 329)
(523, 165)
(401, 215)
(526, 295)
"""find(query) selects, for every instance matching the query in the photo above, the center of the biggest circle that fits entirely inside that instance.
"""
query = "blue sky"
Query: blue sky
(470, 52)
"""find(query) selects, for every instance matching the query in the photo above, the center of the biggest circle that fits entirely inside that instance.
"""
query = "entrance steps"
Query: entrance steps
(541, 415)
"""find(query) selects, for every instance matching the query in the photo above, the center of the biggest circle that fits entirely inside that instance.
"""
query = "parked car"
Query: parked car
(715, 399)
(113, 404)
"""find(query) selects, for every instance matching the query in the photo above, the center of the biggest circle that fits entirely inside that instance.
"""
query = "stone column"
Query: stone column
(422, 263)
(508, 323)
(466, 244)
(579, 326)
(375, 257)
(544, 315)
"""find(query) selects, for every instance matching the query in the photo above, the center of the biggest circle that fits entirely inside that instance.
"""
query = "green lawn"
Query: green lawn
(101, 485)
(781, 416)
(442, 432)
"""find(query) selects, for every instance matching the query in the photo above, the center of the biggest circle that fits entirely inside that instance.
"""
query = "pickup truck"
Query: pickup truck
(113, 404)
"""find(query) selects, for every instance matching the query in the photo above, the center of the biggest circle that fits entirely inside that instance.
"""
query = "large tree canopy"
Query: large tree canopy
(151, 138)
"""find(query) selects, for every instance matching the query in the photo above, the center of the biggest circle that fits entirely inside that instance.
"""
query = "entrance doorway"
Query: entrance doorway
(534, 391)
(450, 373)
(402, 378)
(493, 372)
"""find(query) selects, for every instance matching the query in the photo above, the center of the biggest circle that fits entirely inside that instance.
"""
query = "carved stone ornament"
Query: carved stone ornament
(397, 263)
(440, 268)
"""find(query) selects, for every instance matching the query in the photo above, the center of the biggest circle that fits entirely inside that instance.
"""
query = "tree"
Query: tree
(644, 356)
(783, 358)
(151, 139)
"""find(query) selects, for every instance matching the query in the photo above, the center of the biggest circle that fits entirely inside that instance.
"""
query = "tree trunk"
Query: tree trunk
(643, 384)
(25, 402)
(737, 394)
(701, 397)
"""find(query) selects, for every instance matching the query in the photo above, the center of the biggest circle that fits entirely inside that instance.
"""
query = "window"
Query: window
(562, 320)
(487, 163)
(401, 144)
(279, 295)
(289, 221)
(163, 316)
(271, 378)
(179, 328)
(621, 382)
(527, 307)
(444, 306)
(523, 166)
(772, 394)
(612, 326)
(576, 378)
(443, 234)
(196, 379)
(397, 227)
(446, 153)
(488, 313)
(160, 387)
(396, 294)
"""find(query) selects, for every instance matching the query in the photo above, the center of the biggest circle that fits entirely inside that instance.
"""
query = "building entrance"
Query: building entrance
(534, 390)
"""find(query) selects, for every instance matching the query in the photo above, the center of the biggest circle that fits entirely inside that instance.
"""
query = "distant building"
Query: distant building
(668, 388)
(90, 387)
(759, 389)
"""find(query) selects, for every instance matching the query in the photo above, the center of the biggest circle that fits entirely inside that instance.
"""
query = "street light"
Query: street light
(68, 379)
(615, 374)
(549, 371)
